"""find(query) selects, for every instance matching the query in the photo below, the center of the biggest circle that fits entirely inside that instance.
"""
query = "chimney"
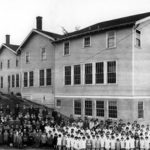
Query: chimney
(7, 39)
(39, 23)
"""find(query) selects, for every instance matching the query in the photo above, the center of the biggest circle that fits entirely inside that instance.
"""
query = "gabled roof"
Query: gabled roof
(106, 25)
(49, 35)
(13, 48)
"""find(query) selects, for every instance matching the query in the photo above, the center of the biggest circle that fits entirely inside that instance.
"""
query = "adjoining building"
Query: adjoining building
(100, 71)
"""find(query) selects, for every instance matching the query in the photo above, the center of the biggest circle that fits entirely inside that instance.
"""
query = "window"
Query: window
(17, 80)
(13, 81)
(88, 108)
(8, 81)
(100, 108)
(66, 48)
(1, 82)
(25, 79)
(58, 103)
(111, 72)
(1, 65)
(112, 108)
(31, 80)
(138, 38)
(27, 57)
(87, 41)
(111, 39)
(42, 82)
(48, 76)
(43, 54)
(8, 63)
(88, 73)
(100, 72)
(77, 74)
(77, 107)
(17, 62)
(140, 110)
(68, 75)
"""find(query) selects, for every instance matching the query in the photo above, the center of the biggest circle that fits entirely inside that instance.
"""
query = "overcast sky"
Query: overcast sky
(17, 17)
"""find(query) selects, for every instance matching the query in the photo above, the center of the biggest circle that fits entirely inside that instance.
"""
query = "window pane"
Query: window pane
(111, 39)
(112, 106)
(17, 80)
(42, 83)
(140, 110)
(13, 81)
(8, 81)
(66, 48)
(31, 76)
(25, 79)
(100, 108)
(111, 72)
(88, 73)
(87, 41)
(68, 75)
(58, 102)
(77, 107)
(88, 108)
(43, 54)
(77, 74)
(48, 77)
(1, 82)
(100, 72)
(27, 57)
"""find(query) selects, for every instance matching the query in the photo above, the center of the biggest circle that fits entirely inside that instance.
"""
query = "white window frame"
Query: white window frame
(79, 99)
(107, 36)
(108, 109)
(85, 46)
(45, 55)
(28, 58)
(64, 48)
(138, 110)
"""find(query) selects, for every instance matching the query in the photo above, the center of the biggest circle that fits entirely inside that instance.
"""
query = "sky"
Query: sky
(18, 17)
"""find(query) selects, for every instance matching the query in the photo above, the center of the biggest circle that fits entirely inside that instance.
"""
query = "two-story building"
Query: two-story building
(102, 70)
(9, 68)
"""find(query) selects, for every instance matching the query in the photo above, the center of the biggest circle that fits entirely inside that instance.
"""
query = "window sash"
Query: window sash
(112, 107)
(8, 63)
(17, 80)
(42, 78)
(66, 48)
(88, 73)
(68, 75)
(87, 41)
(111, 39)
(13, 81)
(100, 108)
(8, 81)
(25, 79)
(77, 107)
(27, 57)
(88, 108)
(1, 82)
(100, 72)
(77, 74)
(111, 72)
(140, 110)
(31, 76)
(43, 54)
(48, 76)
(58, 102)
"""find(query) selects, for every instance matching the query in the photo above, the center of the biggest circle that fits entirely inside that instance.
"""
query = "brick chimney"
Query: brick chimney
(39, 22)
(7, 39)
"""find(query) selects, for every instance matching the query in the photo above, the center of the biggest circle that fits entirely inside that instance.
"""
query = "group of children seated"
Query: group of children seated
(30, 127)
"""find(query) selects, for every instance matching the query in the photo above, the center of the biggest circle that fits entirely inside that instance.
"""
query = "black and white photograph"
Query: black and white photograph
(75, 74)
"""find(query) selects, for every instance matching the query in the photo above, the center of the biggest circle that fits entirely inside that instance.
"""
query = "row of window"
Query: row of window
(8, 64)
(28, 80)
(43, 55)
(89, 73)
(44, 78)
(100, 108)
(110, 41)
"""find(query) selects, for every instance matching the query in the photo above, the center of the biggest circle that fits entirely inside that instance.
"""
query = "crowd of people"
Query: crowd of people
(38, 128)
